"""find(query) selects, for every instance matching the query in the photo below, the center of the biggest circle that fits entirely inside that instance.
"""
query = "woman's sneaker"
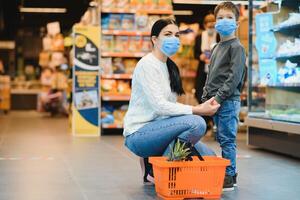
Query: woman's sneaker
(148, 178)
(228, 184)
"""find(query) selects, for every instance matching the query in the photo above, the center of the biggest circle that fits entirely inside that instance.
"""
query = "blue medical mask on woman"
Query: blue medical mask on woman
(225, 27)
(169, 45)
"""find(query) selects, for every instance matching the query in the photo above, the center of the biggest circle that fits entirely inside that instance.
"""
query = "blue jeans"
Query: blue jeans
(226, 119)
(156, 137)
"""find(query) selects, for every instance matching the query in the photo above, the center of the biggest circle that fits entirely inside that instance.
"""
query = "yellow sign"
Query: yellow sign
(86, 72)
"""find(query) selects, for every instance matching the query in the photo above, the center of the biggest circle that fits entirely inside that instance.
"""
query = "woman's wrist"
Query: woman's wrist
(197, 110)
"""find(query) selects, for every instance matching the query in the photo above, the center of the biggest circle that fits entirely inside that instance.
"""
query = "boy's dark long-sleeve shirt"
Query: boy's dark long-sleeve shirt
(226, 72)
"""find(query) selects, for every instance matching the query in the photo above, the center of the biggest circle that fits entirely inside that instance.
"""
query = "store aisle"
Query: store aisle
(40, 160)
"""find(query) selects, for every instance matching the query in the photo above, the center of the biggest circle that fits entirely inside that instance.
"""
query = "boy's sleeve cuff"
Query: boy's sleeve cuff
(218, 99)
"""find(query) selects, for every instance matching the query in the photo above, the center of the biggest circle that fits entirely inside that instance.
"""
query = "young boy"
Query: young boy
(224, 82)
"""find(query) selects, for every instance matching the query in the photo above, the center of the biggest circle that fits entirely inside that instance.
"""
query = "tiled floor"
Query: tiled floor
(40, 160)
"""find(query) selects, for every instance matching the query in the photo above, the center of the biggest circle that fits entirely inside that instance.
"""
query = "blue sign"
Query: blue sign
(268, 71)
(266, 42)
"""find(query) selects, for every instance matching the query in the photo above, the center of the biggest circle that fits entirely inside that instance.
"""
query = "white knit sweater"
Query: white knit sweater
(151, 97)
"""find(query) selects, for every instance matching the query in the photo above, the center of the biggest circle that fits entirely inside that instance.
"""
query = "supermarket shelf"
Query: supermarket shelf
(286, 85)
(112, 126)
(287, 28)
(133, 11)
(116, 97)
(128, 33)
(116, 76)
(261, 120)
(122, 54)
(288, 57)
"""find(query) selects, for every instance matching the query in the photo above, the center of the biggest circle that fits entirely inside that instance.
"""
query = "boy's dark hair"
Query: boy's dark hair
(228, 5)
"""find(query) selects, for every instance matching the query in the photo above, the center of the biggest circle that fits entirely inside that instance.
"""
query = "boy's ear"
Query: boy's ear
(237, 24)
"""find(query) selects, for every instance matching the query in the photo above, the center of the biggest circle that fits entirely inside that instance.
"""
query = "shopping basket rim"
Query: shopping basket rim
(161, 161)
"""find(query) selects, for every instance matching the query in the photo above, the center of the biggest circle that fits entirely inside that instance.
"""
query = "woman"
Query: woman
(154, 120)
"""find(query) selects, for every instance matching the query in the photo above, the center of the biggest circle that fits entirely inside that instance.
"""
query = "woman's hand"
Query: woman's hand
(208, 108)
(202, 57)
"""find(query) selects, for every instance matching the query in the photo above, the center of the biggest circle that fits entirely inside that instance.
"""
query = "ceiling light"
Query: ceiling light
(42, 10)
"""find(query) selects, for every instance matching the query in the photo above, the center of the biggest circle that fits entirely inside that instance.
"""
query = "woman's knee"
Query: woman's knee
(197, 123)
(197, 128)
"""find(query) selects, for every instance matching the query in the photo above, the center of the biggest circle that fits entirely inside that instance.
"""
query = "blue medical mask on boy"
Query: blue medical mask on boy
(225, 27)
(169, 45)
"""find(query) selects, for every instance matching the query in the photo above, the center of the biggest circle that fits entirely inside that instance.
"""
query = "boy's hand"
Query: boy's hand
(208, 108)
(215, 102)
(207, 61)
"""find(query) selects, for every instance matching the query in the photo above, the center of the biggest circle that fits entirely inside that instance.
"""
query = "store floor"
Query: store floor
(40, 160)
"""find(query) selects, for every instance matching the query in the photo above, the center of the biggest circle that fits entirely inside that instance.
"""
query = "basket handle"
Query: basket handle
(193, 150)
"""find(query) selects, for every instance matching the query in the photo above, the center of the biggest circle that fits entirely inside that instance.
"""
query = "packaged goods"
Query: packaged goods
(121, 44)
(106, 65)
(115, 22)
(128, 22)
(135, 44)
(146, 44)
(141, 22)
(107, 43)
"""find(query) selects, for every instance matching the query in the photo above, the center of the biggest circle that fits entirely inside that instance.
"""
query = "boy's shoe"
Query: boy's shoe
(148, 178)
(234, 180)
(228, 184)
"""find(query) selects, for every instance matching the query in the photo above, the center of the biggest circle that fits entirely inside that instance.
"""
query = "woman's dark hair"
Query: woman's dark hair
(175, 80)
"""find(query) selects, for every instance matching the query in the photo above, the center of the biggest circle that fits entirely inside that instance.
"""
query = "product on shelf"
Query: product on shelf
(130, 65)
(53, 28)
(136, 3)
(111, 115)
(115, 22)
(127, 22)
(4, 93)
(106, 114)
(150, 4)
(57, 58)
(58, 43)
(115, 87)
(106, 65)
(119, 114)
(123, 87)
(135, 44)
(122, 3)
(118, 66)
(108, 3)
(121, 43)
(44, 59)
(47, 43)
(109, 86)
(164, 4)
(107, 43)
(289, 74)
(146, 44)
(141, 22)
(289, 48)
(294, 19)
(105, 21)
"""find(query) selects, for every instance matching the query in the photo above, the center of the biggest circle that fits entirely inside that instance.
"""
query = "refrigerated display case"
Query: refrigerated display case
(274, 76)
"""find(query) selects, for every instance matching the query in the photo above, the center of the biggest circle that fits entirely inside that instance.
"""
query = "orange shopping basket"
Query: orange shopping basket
(189, 179)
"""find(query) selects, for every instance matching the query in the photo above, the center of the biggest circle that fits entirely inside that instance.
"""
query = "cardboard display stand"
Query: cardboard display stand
(86, 71)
